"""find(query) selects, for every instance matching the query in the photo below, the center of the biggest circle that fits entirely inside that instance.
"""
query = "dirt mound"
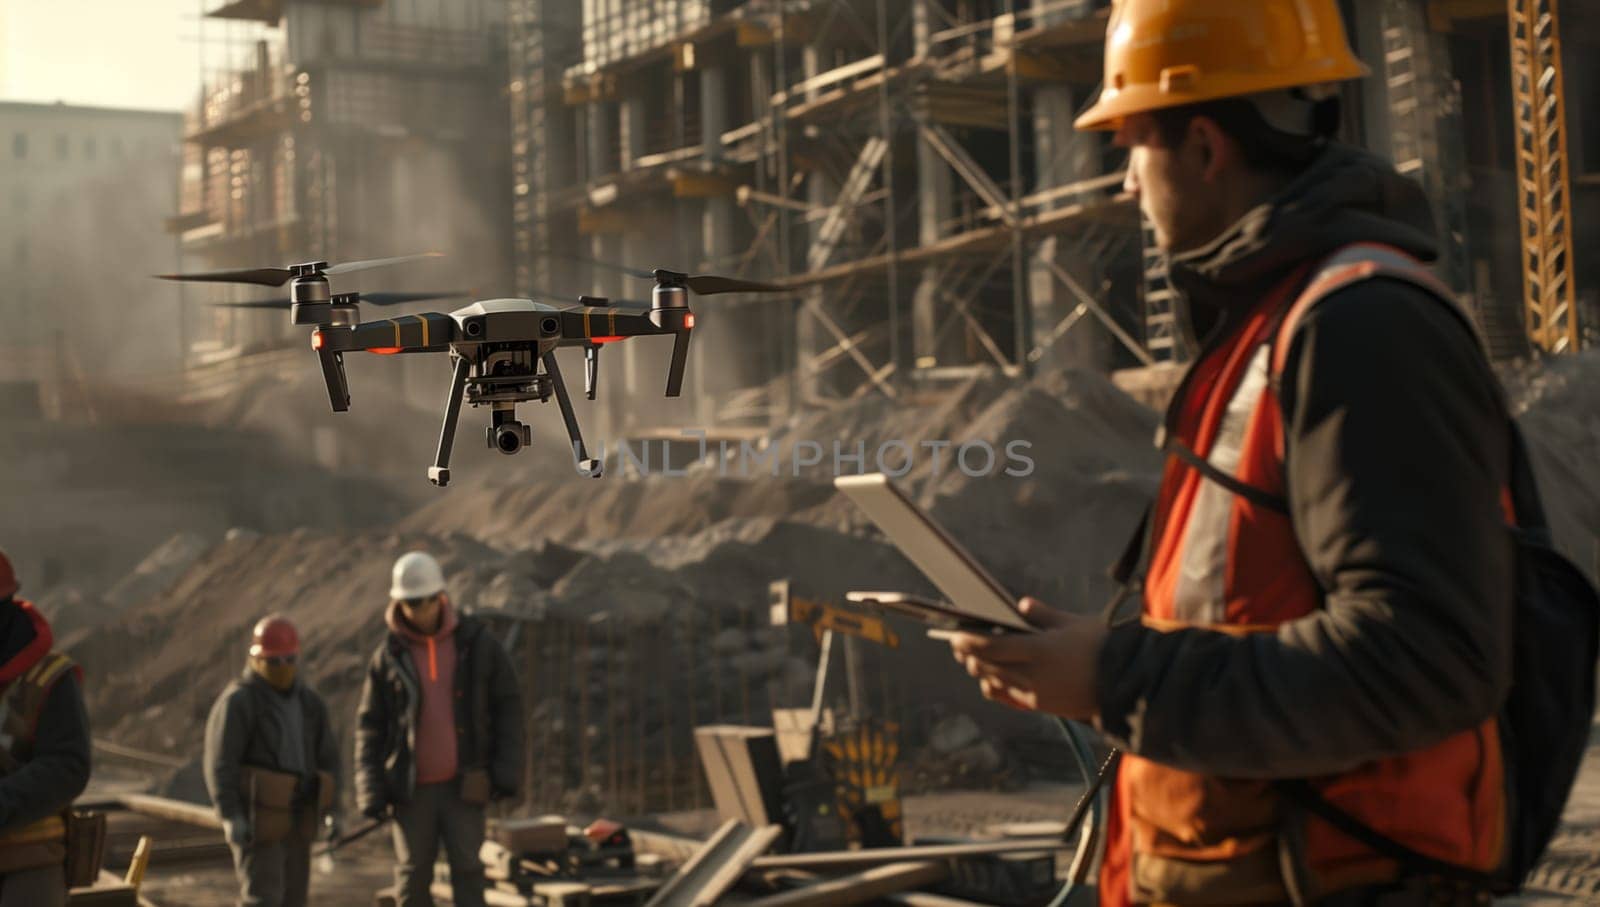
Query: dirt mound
(1040, 480)
(623, 647)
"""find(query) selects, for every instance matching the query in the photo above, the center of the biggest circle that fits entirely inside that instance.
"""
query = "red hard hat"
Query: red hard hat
(274, 635)
(8, 577)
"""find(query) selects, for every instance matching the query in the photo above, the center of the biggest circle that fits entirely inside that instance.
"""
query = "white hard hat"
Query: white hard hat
(416, 575)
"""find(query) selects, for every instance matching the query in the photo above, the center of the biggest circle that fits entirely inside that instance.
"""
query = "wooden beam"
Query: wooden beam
(842, 859)
(862, 887)
(1443, 14)
(601, 220)
(698, 184)
(173, 810)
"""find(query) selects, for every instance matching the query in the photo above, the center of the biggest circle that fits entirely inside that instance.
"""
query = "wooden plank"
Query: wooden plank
(175, 810)
(1118, 209)
(716, 867)
(831, 77)
(862, 887)
(835, 859)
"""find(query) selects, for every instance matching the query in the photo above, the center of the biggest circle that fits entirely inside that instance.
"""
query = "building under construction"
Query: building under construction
(916, 163)
(343, 130)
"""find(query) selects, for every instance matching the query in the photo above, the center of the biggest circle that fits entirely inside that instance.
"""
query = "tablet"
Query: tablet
(941, 617)
(974, 595)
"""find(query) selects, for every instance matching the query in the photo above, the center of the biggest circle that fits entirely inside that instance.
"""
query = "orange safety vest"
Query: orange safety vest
(1221, 558)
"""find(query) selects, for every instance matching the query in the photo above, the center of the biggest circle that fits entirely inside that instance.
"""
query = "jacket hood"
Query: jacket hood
(25, 638)
(1347, 195)
(400, 627)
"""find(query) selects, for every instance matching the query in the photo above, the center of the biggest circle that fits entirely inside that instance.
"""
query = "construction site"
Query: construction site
(915, 257)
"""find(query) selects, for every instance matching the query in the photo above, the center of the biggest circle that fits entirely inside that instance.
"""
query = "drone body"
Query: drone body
(502, 350)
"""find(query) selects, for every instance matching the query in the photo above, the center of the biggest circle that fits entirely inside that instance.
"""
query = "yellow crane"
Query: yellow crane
(1544, 186)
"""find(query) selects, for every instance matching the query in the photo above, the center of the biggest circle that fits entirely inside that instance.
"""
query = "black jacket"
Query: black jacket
(242, 730)
(1398, 444)
(489, 717)
(57, 768)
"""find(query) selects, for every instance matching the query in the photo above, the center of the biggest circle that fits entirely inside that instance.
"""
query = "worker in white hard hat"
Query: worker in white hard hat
(438, 734)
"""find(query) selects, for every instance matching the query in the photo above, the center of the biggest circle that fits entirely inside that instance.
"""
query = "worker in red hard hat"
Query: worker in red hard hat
(272, 767)
(44, 751)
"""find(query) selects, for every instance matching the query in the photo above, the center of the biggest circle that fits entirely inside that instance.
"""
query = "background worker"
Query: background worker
(44, 752)
(438, 734)
(1330, 582)
(271, 766)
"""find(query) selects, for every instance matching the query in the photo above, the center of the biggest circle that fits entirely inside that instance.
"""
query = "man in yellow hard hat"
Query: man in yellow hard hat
(1329, 591)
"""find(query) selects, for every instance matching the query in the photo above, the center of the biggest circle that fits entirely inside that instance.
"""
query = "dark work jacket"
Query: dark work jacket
(489, 717)
(1397, 445)
(243, 730)
(57, 768)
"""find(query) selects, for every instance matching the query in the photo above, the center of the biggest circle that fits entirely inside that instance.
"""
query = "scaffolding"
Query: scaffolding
(294, 153)
(910, 170)
(882, 156)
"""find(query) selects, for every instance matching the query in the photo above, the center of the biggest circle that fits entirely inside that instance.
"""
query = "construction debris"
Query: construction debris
(716, 867)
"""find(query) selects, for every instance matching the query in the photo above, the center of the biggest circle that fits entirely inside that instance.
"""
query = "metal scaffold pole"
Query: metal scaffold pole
(1021, 308)
(886, 126)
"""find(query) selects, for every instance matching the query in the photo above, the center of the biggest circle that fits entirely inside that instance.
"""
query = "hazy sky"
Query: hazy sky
(113, 53)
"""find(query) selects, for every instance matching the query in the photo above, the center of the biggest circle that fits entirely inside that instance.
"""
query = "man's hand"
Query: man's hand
(1051, 671)
(376, 811)
(237, 831)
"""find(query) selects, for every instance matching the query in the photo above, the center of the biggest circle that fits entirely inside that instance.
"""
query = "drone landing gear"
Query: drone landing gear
(587, 465)
(333, 375)
(439, 472)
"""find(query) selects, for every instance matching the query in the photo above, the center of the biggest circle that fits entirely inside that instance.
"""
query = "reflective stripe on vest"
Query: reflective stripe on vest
(1200, 594)
(1184, 837)
(22, 701)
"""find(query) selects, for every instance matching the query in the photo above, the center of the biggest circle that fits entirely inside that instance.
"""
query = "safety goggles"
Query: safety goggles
(277, 661)
(415, 603)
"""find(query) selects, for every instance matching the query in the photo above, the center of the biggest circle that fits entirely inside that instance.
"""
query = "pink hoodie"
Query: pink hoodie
(435, 659)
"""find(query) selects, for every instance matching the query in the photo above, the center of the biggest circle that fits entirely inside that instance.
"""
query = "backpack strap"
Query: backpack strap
(1346, 267)
(1351, 265)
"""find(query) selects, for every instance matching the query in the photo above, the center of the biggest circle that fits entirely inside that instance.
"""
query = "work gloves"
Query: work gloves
(376, 811)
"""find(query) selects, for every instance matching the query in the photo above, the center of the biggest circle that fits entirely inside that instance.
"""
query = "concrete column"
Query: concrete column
(601, 122)
(717, 243)
(613, 367)
(632, 115)
(1065, 155)
(642, 381)
(713, 110)
(935, 197)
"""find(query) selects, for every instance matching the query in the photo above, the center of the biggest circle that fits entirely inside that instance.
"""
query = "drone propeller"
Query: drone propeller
(277, 277)
(369, 298)
(701, 284)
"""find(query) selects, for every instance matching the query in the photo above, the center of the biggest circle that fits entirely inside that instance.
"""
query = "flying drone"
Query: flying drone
(503, 350)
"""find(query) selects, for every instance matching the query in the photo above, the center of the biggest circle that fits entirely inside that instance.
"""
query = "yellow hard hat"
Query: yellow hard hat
(1167, 53)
